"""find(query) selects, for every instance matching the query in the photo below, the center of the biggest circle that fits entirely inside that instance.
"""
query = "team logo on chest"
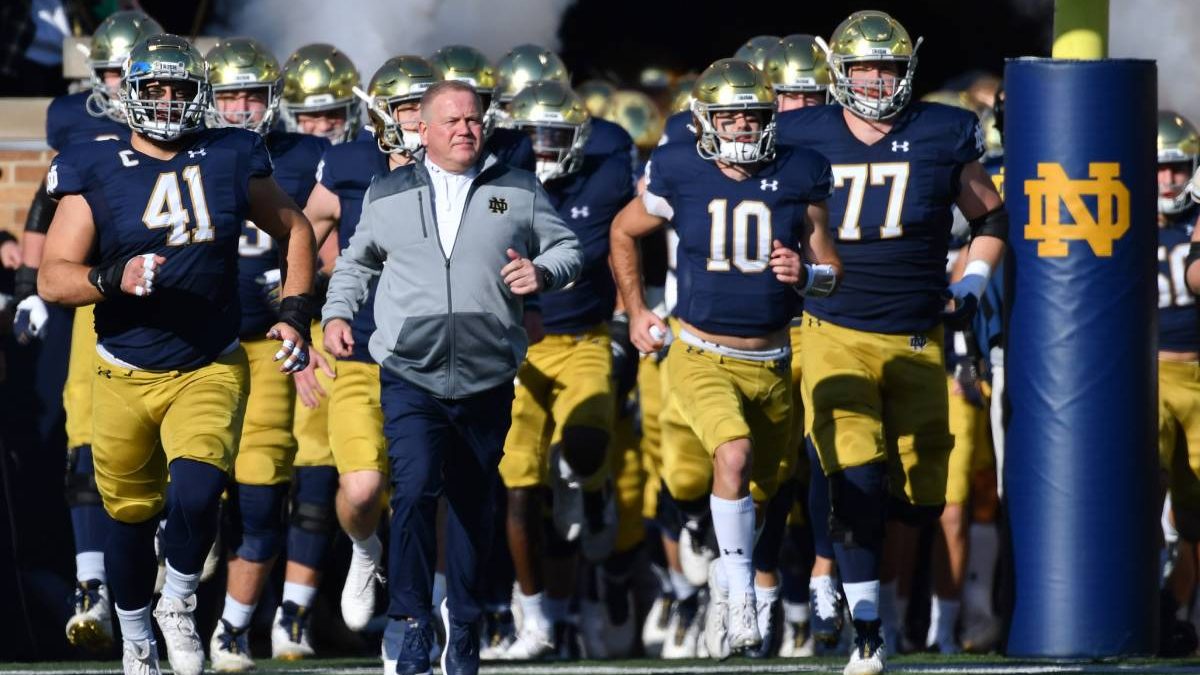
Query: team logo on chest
(497, 205)
(772, 185)
(580, 212)
(899, 146)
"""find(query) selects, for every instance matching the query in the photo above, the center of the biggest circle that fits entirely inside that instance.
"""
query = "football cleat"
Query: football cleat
(695, 554)
(683, 630)
(770, 620)
(178, 625)
(607, 620)
(140, 658)
(534, 641)
(358, 593)
(658, 619)
(716, 619)
(827, 617)
(229, 649)
(743, 624)
(797, 640)
(289, 633)
(868, 656)
(499, 632)
(90, 626)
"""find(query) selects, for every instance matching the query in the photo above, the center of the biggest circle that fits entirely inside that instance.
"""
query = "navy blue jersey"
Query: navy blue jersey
(346, 170)
(188, 209)
(989, 320)
(295, 157)
(725, 230)
(511, 147)
(1178, 320)
(588, 200)
(68, 122)
(610, 138)
(890, 212)
(679, 128)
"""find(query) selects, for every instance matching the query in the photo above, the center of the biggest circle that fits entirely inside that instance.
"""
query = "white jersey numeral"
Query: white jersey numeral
(743, 213)
(165, 208)
(855, 176)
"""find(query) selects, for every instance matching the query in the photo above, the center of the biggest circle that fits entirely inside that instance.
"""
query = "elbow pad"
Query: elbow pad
(41, 211)
(820, 281)
(994, 223)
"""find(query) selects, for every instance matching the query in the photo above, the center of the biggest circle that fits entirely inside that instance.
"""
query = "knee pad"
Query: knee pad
(585, 449)
(911, 514)
(858, 497)
(313, 519)
(81, 487)
(261, 510)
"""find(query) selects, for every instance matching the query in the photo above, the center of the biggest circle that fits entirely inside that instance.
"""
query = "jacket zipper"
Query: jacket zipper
(421, 204)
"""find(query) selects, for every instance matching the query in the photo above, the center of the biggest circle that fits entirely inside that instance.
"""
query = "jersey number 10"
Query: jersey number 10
(743, 213)
(165, 208)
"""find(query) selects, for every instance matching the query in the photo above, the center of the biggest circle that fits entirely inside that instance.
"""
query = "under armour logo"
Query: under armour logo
(497, 205)
(197, 153)
(772, 185)
(918, 342)
(726, 551)
(104, 372)
(581, 212)
(899, 146)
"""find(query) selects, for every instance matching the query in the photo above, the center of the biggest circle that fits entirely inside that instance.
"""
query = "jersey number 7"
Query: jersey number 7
(165, 208)
(857, 177)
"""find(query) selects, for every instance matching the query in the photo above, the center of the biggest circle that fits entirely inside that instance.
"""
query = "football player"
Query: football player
(728, 364)
(875, 389)
(77, 118)
(355, 417)
(755, 50)
(1178, 352)
(247, 85)
(165, 211)
(564, 407)
(318, 94)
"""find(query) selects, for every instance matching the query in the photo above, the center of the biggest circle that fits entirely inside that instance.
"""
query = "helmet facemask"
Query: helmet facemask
(742, 147)
(557, 147)
(105, 100)
(163, 120)
(392, 136)
(1180, 195)
(865, 96)
(324, 103)
(244, 119)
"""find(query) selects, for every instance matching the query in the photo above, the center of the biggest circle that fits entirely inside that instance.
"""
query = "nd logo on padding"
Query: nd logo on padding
(1099, 229)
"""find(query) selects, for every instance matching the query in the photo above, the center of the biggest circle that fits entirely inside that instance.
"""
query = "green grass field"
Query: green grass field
(945, 665)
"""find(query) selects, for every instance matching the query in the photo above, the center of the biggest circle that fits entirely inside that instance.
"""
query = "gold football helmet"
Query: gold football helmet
(681, 92)
(520, 67)
(597, 95)
(871, 36)
(237, 64)
(111, 42)
(798, 65)
(955, 99)
(755, 50)
(993, 140)
(733, 85)
(320, 78)
(557, 122)
(400, 80)
(638, 115)
(1178, 143)
(170, 59)
(467, 64)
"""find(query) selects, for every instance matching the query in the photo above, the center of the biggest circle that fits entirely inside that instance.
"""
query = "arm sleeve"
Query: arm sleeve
(557, 246)
(361, 261)
(41, 211)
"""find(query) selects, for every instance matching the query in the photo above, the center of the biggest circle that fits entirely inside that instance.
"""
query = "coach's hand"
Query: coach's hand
(308, 387)
(520, 274)
(140, 270)
(338, 340)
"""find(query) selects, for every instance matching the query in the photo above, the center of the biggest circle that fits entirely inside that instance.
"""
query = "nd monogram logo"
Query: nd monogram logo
(498, 204)
(1099, 230)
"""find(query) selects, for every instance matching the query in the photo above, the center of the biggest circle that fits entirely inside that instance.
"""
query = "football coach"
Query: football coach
(456, 239)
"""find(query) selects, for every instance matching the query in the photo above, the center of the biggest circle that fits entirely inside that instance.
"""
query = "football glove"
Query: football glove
(30, 319)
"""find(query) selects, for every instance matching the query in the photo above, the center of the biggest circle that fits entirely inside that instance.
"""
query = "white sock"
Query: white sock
(719, 579)
(439, 590)
(795, 612)
(236, 614)
(369, 548)
(733, 522)
(179, 585)
(89, 565)
(681, 586)
(825, 589)
(135, 624)
(863, 598)
(556, 609)
(984, 543)
(764, 596)
(533, 608)
(299, 593)
(943, 615)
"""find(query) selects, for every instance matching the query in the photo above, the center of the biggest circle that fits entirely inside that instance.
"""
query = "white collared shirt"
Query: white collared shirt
(450, 198)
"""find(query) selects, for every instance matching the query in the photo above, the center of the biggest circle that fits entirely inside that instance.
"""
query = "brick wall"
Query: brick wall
(21, 174)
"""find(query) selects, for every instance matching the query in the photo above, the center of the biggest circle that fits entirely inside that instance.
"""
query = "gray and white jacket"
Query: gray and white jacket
(445, 320)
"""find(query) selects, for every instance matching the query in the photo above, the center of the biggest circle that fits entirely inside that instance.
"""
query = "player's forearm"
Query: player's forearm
(299, 264)
(66, 283)
(627, 270)
(32, 244)
(988, 249)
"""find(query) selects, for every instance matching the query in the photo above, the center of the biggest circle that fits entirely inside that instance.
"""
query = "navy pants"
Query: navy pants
(441, 446)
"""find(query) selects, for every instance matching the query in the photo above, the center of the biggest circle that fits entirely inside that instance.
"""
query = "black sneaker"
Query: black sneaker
(406, 644)
(461, 655)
